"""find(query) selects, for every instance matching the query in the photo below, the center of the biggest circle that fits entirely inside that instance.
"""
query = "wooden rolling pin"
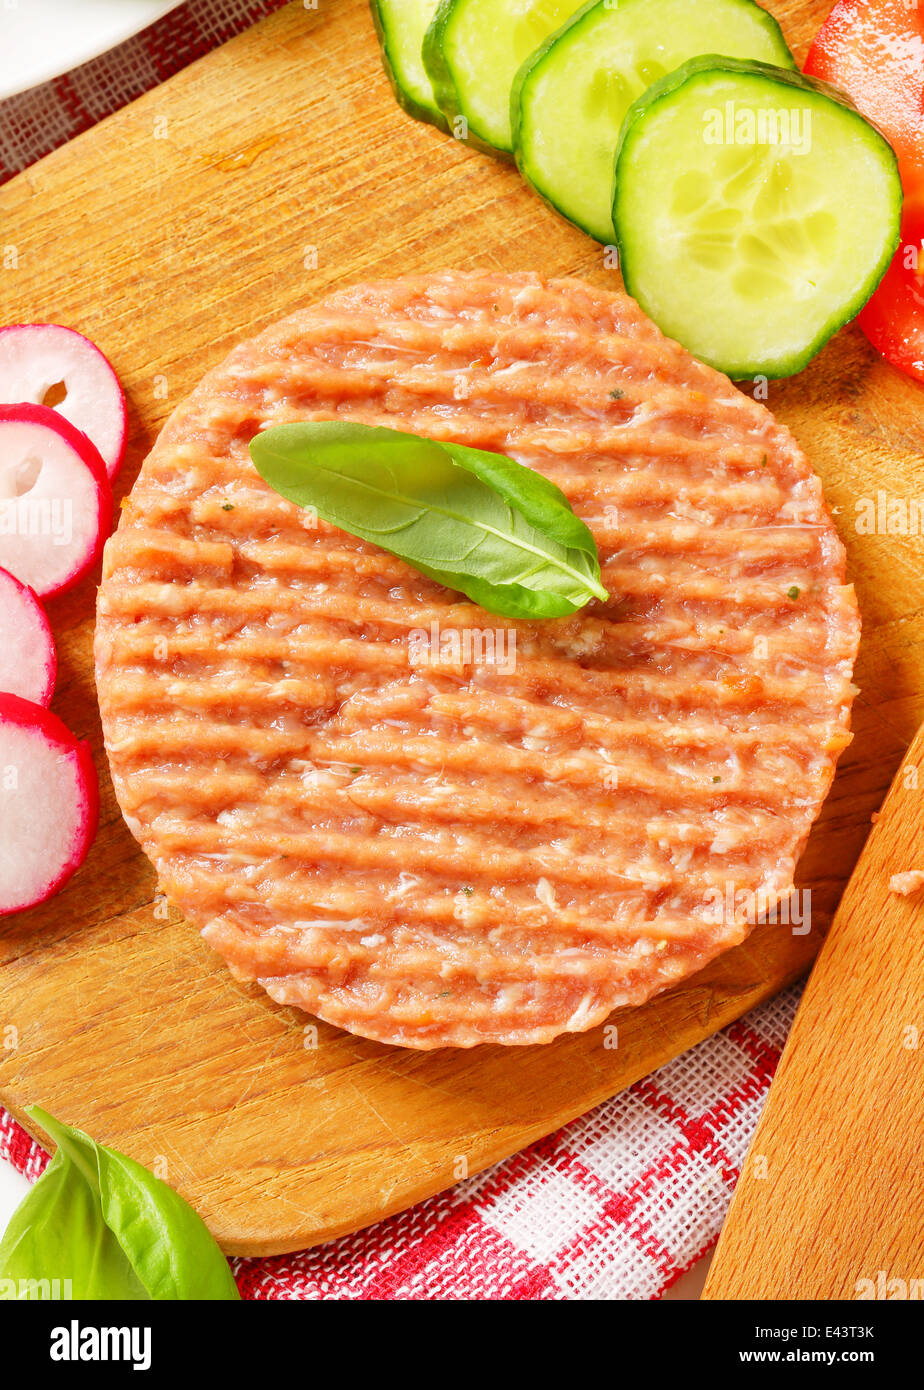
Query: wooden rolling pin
(830, 1203)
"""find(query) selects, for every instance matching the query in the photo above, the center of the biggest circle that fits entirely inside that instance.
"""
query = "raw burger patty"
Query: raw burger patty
(438, 855)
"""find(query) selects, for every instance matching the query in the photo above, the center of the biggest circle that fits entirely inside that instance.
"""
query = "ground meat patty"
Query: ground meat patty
(423, 845)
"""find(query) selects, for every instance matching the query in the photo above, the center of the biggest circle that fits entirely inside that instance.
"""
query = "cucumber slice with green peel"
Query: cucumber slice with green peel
(756, 211)
(401, 26)
(571, 95)
(473, 51)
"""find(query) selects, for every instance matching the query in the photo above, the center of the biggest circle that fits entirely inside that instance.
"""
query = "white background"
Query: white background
(41, 38)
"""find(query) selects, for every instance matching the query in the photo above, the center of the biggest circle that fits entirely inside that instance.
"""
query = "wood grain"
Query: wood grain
(268, 172)
(830, 1204)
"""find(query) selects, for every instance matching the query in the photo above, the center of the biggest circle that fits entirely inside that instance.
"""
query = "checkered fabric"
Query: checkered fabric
(617, 1205)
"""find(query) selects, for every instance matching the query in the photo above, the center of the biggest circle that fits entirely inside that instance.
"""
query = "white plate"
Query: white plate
(40, 39)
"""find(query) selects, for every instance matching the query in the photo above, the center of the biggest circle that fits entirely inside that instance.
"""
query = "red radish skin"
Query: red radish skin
(49, 804)
(35, 357)
(55, 499)
(28, 660)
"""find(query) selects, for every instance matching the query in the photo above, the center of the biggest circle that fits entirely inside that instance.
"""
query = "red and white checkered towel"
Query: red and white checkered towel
(616, 1206)
(620, 1203)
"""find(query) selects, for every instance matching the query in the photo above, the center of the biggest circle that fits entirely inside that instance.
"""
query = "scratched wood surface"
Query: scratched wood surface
(268, 172)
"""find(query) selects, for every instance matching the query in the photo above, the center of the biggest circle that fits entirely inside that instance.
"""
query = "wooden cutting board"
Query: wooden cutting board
(273, 169)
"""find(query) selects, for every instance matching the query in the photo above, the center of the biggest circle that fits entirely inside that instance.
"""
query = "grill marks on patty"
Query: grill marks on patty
(452, 854)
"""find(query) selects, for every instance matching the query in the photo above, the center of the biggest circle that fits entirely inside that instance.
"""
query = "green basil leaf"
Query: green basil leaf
(476, 522)
(109, 1226)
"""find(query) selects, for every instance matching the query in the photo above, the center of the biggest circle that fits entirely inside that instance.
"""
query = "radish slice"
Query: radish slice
(28, 661)
(49, 803)
(39, 360)
(55, 499)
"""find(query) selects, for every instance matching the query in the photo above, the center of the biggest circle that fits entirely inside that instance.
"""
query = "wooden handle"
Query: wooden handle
(830, 1203)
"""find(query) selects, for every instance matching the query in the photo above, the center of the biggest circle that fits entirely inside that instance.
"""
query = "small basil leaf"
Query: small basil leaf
(57, 1234)
(542, 504)
(476, 522)
(104, 1222)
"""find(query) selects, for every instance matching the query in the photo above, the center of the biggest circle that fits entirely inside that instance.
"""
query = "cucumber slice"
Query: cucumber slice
(750, 250)
(472, 52)
(401, 25)
(571, 95)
